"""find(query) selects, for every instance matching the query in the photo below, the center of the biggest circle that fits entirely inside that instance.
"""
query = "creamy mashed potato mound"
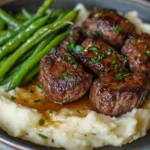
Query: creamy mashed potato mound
(66, 128)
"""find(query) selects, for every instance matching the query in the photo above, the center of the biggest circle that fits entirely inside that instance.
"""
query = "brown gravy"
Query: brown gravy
(30, 96)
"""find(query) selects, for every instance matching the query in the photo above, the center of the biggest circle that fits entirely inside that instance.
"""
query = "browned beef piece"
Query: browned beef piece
(64, 80)
(75, 36)
(114, 94)
(98, 56)
(137, 51)
(108, 24)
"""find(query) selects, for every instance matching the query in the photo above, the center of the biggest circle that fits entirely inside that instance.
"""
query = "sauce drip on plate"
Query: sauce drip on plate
(32, 96)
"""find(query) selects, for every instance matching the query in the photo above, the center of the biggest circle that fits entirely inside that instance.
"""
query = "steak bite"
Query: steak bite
(63, 79)
(115, 94)
(98, 56)
(137, 51)
(107, 23)
(75, 36)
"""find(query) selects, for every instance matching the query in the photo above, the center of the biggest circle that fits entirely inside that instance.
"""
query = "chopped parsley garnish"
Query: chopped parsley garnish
(117, 29)
(99, 33)
(125, 69)
(13, 98)
(113, 62)
(105, 11)
(119, 56)
(78, 111)
(94, 60)
(117, 65)
(102, 84)
(99, 84)
(43, 136)
(75, 48)
(132, 40)
(75, 65)
(147, 53)
(71, 32)
(52, 140)
(71, 59)
(37, 100)
(31, 91)
(50, 112)
(40, 86)
(120, 76)
(72, 79)
(101, 56)
(41, 122)
(95, 49)
(65, 74)
(110, 52)
(90, 34)
(96, 15)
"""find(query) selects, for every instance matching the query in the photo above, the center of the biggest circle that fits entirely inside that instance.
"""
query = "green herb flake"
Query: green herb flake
(116, 66)
(40, 86)
(78, 111)
(119, 76)
(52, 140)
(41, 122)
(94, 60)
(90, 34)
(50, 112)
(110, 52)
(13, 98)
(65, 74)
(75, 48)
(75, 66)
(43, 136)
(99, 84)
(125, 69)
(71, 32)
(37, 101)
(147, 53)
(132, 40)
(78, 49)
(94, 49)
(31, 91)
(105, 11)
(72, 79)
(113, 62)
(117, 29)
(96, 15)
(99, 33)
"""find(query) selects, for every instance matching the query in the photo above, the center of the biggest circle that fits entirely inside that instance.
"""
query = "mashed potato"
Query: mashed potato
(66, 128)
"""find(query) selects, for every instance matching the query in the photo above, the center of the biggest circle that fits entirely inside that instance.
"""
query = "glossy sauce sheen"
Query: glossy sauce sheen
(32, 96)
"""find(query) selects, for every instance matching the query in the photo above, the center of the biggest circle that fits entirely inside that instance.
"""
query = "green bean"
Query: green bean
(44, 7)
(26, 13)
(36, 38)
(23, 58)
(27, 56)
(31, 74)
(2, 24)
(13, 43)
(35, 60)
(10, 34)
(8, 18)
(3, 32)
(20, 17)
